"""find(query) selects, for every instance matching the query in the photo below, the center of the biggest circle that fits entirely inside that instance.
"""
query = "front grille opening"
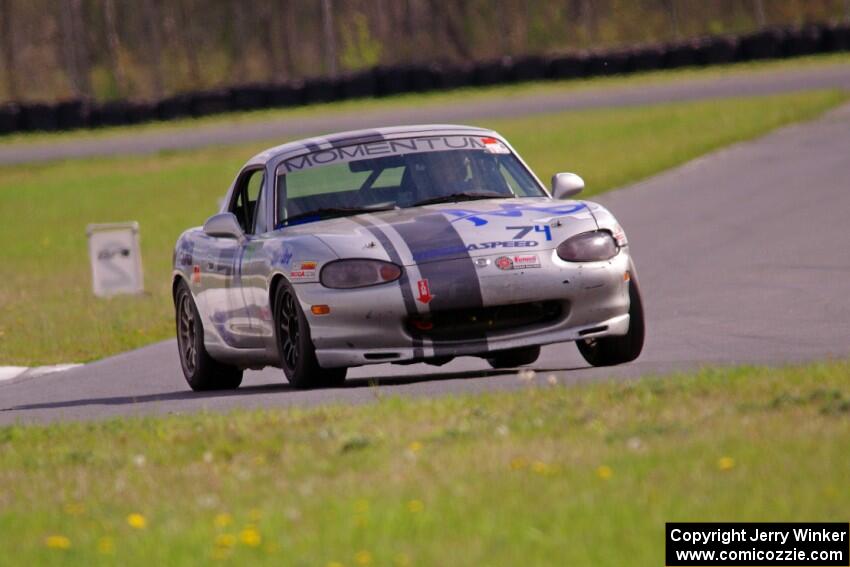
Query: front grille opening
(593, 330)
(469, 324)
(380, 355)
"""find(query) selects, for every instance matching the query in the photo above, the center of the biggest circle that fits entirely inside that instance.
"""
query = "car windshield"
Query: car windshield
(398, 174)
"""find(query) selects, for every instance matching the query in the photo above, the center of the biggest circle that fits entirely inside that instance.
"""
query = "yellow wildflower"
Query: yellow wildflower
(105, 546)
(225, 540)
(57, 542)
(361, 506)
(415, 506)
(604, 472)
(250, 537)
(75, 508)
(725, 463)
(137, 521)
(414, 447)
(223, 520)
(519, 463)
(363, 557)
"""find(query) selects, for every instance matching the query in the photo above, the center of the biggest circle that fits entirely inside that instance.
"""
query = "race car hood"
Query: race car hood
(454, 230)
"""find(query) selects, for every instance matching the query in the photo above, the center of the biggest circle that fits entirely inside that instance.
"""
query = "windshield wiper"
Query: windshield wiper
(464, 196)
(330, 212)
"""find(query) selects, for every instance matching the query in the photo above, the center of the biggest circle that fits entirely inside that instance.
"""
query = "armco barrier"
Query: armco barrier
(716, 50)
(567, 67)
(491, 72)
(680, 55)
(9, 118)
(38, 116)
(357, 85)
(71, 114)
(531, 68)
(390, 80)
(765, 44)
(646, 58)
(836, 38)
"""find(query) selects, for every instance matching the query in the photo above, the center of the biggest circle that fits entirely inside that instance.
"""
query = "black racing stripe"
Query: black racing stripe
(404, 282)
(453, 283)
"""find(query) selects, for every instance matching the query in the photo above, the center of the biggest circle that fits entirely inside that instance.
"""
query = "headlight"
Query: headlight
(348, 274)
(588, 247)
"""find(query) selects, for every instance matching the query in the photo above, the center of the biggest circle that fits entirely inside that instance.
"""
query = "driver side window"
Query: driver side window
(247, 203)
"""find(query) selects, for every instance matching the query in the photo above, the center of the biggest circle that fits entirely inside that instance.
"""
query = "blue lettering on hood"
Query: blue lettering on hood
(511, 210)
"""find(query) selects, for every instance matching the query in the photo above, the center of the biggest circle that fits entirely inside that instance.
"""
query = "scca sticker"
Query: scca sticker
(305, 270)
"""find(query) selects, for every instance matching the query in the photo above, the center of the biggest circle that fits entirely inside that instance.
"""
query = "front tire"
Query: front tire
(610, 351)
(295, 346)
(514, 357)
(201, 371)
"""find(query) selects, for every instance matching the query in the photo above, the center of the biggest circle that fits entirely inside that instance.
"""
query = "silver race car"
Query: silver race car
(402, 245)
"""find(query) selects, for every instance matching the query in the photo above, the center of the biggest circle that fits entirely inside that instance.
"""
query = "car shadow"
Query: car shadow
(282, 388)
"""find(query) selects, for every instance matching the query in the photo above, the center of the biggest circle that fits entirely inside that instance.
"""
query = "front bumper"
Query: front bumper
(372, 325)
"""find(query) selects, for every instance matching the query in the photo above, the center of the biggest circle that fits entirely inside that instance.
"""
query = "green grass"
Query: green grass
(547, 475)
(49, 315)
(440, 98)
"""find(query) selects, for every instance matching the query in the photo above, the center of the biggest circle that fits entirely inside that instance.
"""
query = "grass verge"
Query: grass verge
(547, 475)
(441, 98)
(49, 314)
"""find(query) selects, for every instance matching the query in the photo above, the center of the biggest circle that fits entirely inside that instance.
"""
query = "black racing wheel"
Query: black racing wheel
(297, 353)
(202, 372)
(513, 357)
(610, 351)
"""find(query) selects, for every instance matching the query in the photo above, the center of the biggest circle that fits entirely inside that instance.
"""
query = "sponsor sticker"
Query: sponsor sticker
(305, 270)
(620, 235)
(424, 291)
(504, 263)
(518, 262)
(196, 274)
(494, 146)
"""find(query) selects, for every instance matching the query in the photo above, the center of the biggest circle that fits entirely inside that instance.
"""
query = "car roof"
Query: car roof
(329, 141)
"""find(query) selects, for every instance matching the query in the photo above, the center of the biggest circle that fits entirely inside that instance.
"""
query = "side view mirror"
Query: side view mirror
(224, 225)
(565, 185)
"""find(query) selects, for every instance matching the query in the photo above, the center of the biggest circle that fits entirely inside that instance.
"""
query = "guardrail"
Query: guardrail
(383, 81)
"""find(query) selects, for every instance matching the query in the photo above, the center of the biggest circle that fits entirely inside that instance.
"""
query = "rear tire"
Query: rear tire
(610, 351)
(201, 371)
(295, 346)
(514, 357)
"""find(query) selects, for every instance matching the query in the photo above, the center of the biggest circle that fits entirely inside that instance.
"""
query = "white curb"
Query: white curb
(11, 372)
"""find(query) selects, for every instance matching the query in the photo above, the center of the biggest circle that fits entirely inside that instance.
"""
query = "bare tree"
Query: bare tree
(758, 7)
(185, 36)
(74, 52)
(113, 43)
(8, 40)
(329, 33)
(670, 6)
(449, 15)
(240, 33)
(270, 15)
(153, 33)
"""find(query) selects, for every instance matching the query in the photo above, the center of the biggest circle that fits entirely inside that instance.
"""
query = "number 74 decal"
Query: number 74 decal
(523, 230)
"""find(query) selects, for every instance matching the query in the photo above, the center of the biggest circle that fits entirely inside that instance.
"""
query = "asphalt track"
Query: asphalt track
(476, 109)
(743, 255)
